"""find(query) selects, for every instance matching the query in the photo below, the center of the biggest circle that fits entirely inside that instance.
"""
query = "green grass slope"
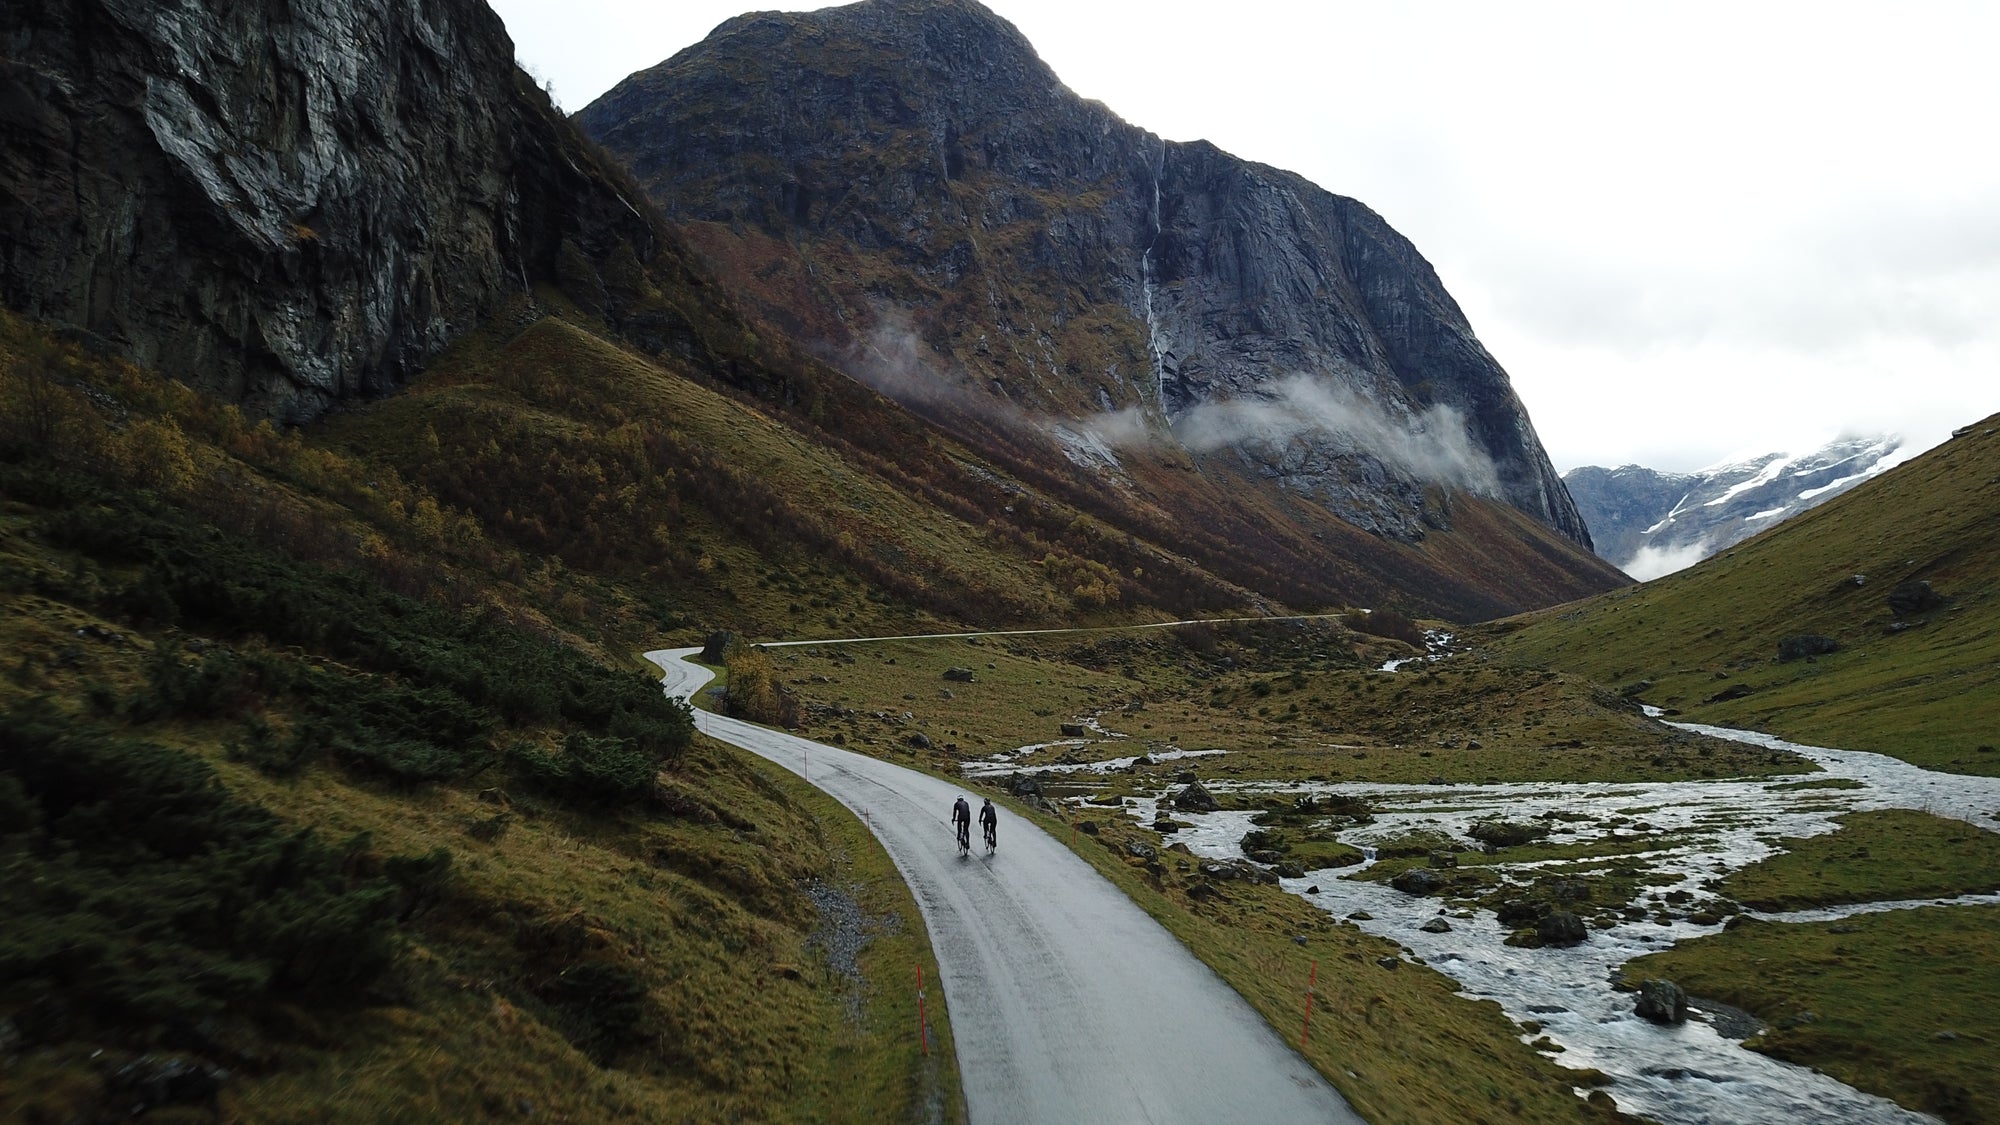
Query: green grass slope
(1921, 685)
(320, 800)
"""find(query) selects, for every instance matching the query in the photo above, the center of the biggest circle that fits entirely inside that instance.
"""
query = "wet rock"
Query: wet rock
(1911, 598)
(1516, 911)
(1185, 777)
(1195, 798)
(958, 675)
(1313, 890)
(151, 1081)
(717, 646)
(1563, 888)
(1024, 785)
(1443, 859)
(1361, 916)
(1561, 928)
(1661, 1001)
(1506, 833)
(1436, 926)
(1074, 730)
(1804, 646)
(1220, 870)
(1291, 870)
(1418, 881)
(1389, 962)
(1141, 851)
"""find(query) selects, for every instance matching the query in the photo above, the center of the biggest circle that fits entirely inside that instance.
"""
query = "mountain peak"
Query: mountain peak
(1650, 523)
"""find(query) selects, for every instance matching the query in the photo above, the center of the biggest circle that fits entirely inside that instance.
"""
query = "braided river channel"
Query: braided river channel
(1695, 1072)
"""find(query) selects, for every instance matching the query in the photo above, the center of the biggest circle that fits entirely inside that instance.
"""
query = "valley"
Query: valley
(1658, 861)
(373, 432)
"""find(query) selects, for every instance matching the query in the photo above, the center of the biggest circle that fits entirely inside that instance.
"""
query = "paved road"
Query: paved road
(1068, 1003)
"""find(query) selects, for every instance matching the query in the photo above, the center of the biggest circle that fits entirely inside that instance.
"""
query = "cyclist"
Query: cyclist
(961, 822)
(989, 823)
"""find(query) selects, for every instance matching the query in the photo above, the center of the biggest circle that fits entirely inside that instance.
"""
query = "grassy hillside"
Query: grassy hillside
(1920, 682)
(320, 799)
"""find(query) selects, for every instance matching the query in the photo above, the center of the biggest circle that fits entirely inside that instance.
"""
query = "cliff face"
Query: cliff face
(906, 184)
(287, 203)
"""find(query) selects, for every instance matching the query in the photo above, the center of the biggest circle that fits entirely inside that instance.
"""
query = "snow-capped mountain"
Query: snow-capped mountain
(1651, 523)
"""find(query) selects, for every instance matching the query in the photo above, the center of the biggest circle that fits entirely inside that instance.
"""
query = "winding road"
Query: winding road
(1068, 1003)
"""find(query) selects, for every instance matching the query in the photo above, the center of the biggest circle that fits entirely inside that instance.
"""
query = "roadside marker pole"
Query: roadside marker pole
(1312, 981)
(923, 1027)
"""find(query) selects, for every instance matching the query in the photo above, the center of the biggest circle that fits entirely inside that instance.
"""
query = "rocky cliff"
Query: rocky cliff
(905, 184)
(292, 203)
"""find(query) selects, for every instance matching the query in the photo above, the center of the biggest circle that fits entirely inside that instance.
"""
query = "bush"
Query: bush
(755, 692)
(137, 890)
(593, 771)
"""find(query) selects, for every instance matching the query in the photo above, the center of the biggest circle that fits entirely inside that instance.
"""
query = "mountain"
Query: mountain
(906, 187)
(1651, 523)
(1888, 587)
(243, 198)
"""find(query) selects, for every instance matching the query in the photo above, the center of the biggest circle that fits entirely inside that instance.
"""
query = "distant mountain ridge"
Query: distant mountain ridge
(907, 185)
(1651, 523)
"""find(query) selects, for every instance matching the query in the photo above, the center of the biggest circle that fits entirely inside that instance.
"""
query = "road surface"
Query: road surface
(1068, 1003)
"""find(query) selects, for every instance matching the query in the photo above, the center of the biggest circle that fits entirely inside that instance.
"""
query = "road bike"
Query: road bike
(992, 837)
(964, 837)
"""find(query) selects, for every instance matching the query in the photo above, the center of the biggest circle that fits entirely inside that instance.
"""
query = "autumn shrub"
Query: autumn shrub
(755, 692)
(138, 891)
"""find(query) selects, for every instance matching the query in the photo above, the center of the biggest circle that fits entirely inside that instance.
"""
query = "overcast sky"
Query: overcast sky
(1688, 231)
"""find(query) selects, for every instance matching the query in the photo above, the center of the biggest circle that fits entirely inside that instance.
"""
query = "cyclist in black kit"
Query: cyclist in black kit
(961, 822)
(989, 823)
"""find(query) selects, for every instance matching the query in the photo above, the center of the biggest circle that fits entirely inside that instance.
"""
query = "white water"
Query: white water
(1680, 1075)
(1155, 342)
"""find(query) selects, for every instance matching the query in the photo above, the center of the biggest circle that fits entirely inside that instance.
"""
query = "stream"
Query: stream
(1690, 831)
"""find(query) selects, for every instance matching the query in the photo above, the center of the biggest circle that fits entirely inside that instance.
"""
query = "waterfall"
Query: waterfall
(1154, 341)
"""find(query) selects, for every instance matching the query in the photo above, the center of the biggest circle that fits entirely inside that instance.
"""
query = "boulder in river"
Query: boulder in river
(1194, 798)
(1436, 926)
(1561, 928)
(1418, 881)
(1661, 1001)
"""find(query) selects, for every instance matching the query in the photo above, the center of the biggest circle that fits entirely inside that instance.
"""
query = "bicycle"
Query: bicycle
(965, 837)
(992, 838)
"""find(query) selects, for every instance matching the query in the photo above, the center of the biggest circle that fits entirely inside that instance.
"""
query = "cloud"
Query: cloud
(1656, 562)
(1432, 445)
